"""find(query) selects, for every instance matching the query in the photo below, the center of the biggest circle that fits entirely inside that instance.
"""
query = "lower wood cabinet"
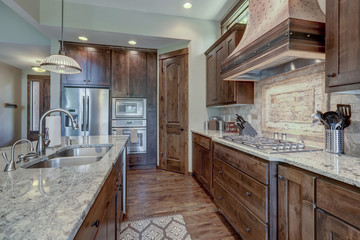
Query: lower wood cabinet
(332, 228)
(296, 199)
(105, 216)
(202, 160)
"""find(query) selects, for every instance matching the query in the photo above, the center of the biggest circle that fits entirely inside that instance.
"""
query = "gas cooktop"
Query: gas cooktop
(270, 145)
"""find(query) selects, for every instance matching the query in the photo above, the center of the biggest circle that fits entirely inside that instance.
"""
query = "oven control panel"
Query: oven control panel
(128, 123)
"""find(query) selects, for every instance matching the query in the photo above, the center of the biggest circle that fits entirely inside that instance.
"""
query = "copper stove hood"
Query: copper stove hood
(281, 36)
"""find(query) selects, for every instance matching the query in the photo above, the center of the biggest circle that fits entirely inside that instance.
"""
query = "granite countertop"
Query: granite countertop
(343, 168)
(51, 203)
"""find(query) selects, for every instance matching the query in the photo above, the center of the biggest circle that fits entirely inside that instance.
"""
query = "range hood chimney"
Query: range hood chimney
(280, 36)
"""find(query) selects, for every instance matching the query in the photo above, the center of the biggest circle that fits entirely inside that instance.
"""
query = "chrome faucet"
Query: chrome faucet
(10, 165)
(43, 142)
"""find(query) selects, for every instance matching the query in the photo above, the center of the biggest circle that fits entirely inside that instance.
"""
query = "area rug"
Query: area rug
(159, 228)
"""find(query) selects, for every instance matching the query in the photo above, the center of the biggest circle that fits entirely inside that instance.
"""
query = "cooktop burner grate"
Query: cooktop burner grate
(270, 145)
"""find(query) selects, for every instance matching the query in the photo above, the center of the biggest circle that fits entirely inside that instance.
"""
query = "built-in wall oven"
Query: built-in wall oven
(129, 118)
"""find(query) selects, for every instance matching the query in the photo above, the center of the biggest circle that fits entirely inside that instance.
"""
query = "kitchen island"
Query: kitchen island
(52, 203)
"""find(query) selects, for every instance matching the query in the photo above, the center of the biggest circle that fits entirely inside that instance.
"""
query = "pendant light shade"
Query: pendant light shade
(60, 63)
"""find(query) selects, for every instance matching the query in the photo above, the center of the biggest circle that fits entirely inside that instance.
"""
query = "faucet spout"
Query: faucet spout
(40, 147)
(10, 166)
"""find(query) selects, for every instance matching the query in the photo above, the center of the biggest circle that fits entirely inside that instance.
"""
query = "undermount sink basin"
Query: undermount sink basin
(71, 157)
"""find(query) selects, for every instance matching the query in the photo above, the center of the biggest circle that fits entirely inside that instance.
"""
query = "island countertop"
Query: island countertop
(51, 203)
(343, 168)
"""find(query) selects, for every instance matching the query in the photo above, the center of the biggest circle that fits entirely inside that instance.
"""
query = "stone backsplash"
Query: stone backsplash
(284, 103)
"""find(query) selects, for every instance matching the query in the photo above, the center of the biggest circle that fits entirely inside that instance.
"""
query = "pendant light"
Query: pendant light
(60, 63)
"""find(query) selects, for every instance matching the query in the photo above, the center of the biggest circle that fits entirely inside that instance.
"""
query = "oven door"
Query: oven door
(128, 108)
(137, 142)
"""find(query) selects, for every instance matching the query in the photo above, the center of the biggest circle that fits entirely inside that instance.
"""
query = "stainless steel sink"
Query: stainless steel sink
(66, 162)
(71, 157)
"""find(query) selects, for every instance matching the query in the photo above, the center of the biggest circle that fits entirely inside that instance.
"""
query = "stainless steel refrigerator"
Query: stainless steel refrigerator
(90, 107)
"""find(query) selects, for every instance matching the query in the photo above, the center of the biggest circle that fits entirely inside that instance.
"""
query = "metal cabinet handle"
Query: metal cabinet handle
(220, 172)
(331, 74)
(248, 229)
(248, 193)
(220, 198)
(119, 186)
(181, 129)
(281, 177)
(95, 224)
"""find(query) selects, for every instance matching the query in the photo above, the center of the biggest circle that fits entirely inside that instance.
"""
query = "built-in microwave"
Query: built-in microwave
(128, 108)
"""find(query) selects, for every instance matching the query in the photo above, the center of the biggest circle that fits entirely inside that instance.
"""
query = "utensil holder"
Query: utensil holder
(334, 141)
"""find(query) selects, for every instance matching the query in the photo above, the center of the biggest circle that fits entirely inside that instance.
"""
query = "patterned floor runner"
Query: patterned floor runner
(159, 228)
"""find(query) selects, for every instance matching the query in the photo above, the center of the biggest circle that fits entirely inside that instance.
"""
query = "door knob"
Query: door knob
(181, 129)
(331, 74)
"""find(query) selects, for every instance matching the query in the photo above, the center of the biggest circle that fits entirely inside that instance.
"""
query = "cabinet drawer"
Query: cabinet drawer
(339, 201)
(202, 141)
(251, 165)
(250, 192)
(249, 226)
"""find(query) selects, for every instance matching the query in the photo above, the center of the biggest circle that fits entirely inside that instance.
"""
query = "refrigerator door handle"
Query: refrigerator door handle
(87, 109)
(83, 118)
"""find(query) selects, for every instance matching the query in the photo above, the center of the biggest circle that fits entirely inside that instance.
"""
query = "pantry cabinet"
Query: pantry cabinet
(129, 78)
(95, 65)
(342, 45)
(219, 92)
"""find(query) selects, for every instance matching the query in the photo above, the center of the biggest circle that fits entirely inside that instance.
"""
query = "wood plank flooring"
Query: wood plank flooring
(156, 193)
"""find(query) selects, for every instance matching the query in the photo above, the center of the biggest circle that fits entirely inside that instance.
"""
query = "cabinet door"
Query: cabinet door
(331, 228)
(221, 54)
(211, 92)
(196, 159)
(342, 44)
(79, 54)
(111, 218)
(206, 167)
(103, 228)
(120, 73)
(99, 66)
(137, 74)
(119, 207)
(229, 86)
(296, 214)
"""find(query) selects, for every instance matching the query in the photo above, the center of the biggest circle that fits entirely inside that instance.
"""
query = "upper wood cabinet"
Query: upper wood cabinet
(342, 45)
(220, 92)
(129, 73)
(296, 199)
(95, 65)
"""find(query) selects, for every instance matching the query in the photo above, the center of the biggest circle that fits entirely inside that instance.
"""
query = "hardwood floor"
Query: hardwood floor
(156, 193)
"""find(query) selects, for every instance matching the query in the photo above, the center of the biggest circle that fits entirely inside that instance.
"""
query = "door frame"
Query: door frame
(163, 57)
(30, 78)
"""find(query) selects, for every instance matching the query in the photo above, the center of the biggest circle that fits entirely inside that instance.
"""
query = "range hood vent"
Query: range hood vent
(281, 36)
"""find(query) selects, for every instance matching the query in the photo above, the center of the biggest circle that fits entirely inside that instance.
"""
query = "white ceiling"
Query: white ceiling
(203, 9)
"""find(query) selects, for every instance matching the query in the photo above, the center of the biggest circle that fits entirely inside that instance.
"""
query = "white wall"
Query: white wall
(10, 92)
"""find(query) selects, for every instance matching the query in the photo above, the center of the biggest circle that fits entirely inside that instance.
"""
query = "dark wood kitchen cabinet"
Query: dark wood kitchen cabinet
(202, 160)
(342, 45)
(219, 92)
(105, 216)
(296, 200)
(129, 78)
(94, 62)
(245, 190)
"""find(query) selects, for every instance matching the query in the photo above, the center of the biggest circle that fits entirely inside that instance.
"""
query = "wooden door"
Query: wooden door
(137, 74)
(119, 206)
(103, 227)
(228, 92)
(205, 166)
(196, 155)
(120, 73)
(342, 44)
(79, 54)
(220, 55)
(174, 111)
(98, 66)
(211, 91)
(296, 212)
(38, 99)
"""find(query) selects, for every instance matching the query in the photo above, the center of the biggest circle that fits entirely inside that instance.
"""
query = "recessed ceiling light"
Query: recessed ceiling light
(37, 69)
(187, 5)
(132, 42)
(82, 38)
